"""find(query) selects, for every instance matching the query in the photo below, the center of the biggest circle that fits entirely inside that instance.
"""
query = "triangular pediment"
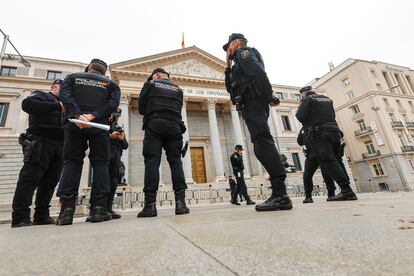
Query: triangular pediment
(188, 62)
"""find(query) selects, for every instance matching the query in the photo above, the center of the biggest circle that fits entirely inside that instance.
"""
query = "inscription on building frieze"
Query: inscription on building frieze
(205, 93)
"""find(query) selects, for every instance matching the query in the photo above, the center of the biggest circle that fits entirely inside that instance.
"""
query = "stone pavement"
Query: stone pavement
(371, 236)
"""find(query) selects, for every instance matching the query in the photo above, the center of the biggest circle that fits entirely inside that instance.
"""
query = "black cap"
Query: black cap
(305, 89)
(57, 81)
(238, 147)
(98, 62)
(158, 70)
(232, 37)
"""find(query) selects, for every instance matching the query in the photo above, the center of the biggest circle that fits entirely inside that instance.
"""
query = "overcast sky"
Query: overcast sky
(296, 38)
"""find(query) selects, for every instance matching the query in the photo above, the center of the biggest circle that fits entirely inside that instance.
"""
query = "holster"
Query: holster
(32, 150)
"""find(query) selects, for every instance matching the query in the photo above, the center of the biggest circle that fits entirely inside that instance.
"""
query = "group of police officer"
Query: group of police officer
(54, 152)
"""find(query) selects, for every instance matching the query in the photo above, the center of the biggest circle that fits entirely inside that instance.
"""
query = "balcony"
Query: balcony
(366, 131)
(407, 148)
(371, 155)
(397, 124)
(409, 124)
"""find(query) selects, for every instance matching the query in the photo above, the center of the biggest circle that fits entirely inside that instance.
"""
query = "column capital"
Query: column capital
(125, 98)
(211, 104)
(232, 107)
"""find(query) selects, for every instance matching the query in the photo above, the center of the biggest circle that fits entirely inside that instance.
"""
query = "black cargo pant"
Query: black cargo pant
(311, 165)
(75, 145)
(42, 168)
(163, 134)
(241, 188)
(326, 143)
(255, 113)
(114, 173)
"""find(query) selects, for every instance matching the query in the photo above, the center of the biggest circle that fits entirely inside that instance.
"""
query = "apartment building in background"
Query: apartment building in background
(374, 103)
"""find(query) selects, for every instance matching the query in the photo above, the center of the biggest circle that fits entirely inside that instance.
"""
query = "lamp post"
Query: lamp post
(6, 38)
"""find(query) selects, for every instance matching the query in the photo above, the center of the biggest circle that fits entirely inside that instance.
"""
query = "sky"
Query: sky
(297, 38)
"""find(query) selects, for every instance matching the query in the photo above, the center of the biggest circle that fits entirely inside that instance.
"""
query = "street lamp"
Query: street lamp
(23, 61)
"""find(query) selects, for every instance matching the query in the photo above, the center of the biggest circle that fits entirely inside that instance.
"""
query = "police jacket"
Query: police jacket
(247, 77)
(117, 146)
(161, 99)
(316, 110)
(237, 163)
(45, 117)
(89, 92)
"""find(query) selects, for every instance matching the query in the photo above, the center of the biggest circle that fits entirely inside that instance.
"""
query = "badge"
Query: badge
(245, 54)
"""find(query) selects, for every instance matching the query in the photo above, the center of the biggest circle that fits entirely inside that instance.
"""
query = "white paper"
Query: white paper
(95, 125)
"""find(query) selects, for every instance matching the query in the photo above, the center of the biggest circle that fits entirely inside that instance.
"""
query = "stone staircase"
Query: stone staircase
(11, 161)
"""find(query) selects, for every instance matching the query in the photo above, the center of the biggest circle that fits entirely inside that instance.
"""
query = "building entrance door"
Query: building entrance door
(198, 164)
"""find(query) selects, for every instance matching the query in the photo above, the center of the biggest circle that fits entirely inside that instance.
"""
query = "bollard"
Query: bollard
(211, 193)
(261, 191)
(123, 199)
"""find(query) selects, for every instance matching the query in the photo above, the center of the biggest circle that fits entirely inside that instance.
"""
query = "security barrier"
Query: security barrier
(131, 199)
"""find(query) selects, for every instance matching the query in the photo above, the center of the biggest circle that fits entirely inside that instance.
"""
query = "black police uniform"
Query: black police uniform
(247, 79)
(116, 148)
(317, 115)
(238, 171)
(311, 165)
(42, 147)
(233, 186)
(84, 93)
(160, 101)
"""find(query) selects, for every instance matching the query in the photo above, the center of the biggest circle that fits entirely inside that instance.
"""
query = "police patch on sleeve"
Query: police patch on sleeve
(245, 54)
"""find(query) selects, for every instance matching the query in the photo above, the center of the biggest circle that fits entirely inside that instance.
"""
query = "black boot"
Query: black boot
(44, 221)
(99, 210)
(249, 201)
(234, 201)
(149, 210)
(308, 199)
(21, 224)
(67, 210)
(274, 203)
(42, 216)
(113, 214)
(342, 196)
(330, 194)
(181, 208)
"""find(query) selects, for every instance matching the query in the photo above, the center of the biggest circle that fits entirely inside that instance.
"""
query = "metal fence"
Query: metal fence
(130, 199)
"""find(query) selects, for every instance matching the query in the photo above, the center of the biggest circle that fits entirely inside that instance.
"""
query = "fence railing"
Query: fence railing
(127, 198)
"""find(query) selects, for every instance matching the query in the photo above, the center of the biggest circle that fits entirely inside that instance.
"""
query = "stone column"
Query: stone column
(295, 122)
(276, 122)
(215, 141)
(124, 121)
(238, 135)
(186, 137)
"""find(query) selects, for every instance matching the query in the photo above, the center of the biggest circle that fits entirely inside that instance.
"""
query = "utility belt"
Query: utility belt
(27, 138)
(311, 131)
(166, 116)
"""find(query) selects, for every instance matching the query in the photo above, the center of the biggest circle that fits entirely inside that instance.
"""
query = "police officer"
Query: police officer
(311, 165)
(119, 143)
(233, 186)
(42, 147)
(89, 97)
(160, 101)
(317, 115)
(251, 92)
(236, 160)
